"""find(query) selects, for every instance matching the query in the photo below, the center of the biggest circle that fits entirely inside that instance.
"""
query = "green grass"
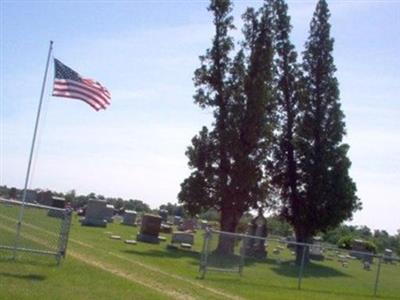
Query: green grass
(98, 267)
(28, 279)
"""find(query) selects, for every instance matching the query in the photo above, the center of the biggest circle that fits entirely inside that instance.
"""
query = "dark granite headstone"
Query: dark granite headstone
(45, 198)
(188, 225)
(360, 250)
(150, 229)
(57, 202)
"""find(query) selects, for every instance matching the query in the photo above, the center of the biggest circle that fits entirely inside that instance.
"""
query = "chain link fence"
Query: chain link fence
(304, 266)
(42, 230)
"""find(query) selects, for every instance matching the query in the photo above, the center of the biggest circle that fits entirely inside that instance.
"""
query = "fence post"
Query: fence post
(242, 255)
(66, 237)
(61, 238)
(203, 263)
(303, 256)
(377, 275)
(64, 232)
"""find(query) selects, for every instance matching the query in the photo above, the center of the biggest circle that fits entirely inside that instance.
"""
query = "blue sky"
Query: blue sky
(145, 53)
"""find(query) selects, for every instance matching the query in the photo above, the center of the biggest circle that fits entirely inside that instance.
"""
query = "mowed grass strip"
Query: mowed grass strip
(26, 279)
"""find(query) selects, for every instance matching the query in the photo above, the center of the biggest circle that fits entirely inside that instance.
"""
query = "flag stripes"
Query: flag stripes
(69, 84)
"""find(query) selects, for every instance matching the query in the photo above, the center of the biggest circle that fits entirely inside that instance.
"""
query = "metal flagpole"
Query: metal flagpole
(28, 171)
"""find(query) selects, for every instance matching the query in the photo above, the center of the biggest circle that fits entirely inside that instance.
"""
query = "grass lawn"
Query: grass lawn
(98, 267)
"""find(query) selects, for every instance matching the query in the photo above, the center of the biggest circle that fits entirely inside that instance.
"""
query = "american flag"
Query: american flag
(69, 84)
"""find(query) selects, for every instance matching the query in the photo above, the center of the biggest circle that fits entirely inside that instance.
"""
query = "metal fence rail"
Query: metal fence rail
(364, 271)
(43, 229)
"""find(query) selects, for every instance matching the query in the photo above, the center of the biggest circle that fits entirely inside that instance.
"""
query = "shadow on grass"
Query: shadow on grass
(289, 269)
(283, 268)
(35, 277)
(167, 253)
(360, 295)
(29, 261)
(294, 289)
(311, 270)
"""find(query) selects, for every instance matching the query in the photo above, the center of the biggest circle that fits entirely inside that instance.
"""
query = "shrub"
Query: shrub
(345, 242)
(370, 247)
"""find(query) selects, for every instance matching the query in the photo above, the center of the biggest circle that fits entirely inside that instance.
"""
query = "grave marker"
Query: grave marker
(96, 213)
(109, 213)
(58, 202)
(256, 247)
(182, 237)
(129, 218)
(150, 229)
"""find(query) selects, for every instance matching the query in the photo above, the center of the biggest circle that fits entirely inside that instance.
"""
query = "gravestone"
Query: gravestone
(95, 214)
(166, 228)
(31, 196)
(57, 202)
(366, 266)
(109, 213)
(186, 246)
(177, 220)
(316, 252)
(179, 237)
(45, 198)
(255, 247)
(388, 256)
(129, 218)
(150, 228)
(188, 225)
(359, 250)
(203, 225)
(130, 242)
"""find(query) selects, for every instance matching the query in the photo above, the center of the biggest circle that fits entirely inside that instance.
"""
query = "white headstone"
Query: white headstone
(109, 213)
(182, 237)
(96, 213)
(129, 217)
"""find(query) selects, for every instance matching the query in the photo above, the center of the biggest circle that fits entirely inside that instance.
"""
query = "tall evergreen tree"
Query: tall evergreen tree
(207, 185)
(208, 155)
(228, 162)
(252, 116)
(327, 192)
(288, 91)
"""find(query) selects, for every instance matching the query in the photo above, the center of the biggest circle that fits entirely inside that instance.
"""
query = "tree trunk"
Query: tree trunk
(302, 237)
(228, 222)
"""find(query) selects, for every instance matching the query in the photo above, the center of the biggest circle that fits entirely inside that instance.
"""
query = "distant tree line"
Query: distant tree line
(79, 201)
(379, 240)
